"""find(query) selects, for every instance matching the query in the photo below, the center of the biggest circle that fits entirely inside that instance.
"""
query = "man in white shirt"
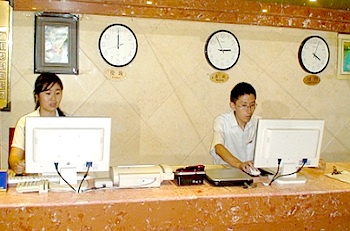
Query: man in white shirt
(234, 132)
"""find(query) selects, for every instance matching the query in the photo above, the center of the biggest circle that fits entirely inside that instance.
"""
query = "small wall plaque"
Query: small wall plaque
(117, 75)
(219, 77)
(311, 80)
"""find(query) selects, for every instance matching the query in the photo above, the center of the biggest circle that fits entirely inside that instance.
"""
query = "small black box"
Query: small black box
(191, 175)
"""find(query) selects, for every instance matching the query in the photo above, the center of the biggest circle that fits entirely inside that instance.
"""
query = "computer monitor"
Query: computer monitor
(71, 143)
(292, 142)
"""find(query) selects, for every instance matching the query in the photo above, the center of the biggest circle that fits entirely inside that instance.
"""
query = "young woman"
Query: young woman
(47, 95)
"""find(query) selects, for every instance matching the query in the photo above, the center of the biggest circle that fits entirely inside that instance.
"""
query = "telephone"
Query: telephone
(140, 176)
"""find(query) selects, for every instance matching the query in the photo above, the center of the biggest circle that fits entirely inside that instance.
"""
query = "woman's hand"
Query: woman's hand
(20, 167)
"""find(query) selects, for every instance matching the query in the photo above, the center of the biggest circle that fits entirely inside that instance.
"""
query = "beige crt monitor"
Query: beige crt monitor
(291, 141)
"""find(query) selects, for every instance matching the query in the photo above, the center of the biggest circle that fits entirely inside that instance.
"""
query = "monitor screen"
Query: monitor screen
(291, 142)
(71, 142)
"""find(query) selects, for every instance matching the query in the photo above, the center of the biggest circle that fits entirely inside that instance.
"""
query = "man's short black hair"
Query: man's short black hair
(241, 89)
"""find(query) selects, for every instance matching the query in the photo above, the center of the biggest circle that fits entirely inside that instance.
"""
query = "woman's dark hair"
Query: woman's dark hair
(241, 89)
(43, 83)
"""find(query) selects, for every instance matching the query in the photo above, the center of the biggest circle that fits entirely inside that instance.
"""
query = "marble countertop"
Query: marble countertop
(317, 183)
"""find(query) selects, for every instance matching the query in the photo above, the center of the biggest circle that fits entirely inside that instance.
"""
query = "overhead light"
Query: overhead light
(149, 2)
(264, 10)
(312, 0)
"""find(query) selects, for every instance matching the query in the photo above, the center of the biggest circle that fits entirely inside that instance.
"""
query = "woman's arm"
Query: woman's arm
(16, 160)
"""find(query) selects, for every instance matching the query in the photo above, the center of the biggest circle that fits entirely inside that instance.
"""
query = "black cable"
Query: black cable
(56, 166)
(95, 188)
(295, 172)
(278, 169)
(85, 175)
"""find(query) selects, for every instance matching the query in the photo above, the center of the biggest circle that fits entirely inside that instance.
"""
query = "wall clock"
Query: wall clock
(118, 45)
(313, 54)
(222, 50)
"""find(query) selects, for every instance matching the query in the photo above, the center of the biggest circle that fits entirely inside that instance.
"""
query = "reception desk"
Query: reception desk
(320, 204)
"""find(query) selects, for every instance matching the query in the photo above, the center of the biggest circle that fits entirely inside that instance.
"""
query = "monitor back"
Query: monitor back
(290, 140)
(67, 141)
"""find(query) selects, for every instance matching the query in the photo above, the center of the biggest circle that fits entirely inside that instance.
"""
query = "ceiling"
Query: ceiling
(327, 15)
(328, 4)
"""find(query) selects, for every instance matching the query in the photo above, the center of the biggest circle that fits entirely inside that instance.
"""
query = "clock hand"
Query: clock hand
(118, 40)
(219, 45)
(316, 56)
(223, 50)
(316, 47)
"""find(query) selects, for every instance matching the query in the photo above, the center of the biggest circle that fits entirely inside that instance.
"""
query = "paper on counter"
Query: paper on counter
(343, 176)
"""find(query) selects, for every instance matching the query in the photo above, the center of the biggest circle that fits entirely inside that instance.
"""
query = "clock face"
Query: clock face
(314, 54)
(118, 45)
(222, 50)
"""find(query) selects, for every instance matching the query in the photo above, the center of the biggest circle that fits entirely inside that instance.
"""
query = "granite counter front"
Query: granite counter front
(320, 204)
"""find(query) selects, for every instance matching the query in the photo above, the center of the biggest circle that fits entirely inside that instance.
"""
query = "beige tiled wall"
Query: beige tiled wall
(163, 111)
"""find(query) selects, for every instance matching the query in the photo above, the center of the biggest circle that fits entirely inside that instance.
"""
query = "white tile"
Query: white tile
(163, 111)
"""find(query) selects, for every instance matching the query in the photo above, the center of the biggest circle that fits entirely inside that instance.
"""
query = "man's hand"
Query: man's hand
(245, 166)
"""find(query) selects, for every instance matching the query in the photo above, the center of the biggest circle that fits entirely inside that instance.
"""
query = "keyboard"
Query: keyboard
(13, 180)
(41, 186)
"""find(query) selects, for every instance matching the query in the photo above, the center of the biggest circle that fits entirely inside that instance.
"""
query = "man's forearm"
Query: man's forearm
(227, 156)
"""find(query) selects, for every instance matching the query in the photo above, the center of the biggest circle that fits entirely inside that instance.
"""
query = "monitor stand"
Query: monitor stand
(295, 178)
(292, 179)
(58, 187)
(70, 175)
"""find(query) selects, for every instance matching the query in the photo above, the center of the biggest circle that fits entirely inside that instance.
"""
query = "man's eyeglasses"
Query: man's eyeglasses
(245, 107)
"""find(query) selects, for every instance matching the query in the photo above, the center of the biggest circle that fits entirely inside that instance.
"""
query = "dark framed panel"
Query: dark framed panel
(56, 43)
